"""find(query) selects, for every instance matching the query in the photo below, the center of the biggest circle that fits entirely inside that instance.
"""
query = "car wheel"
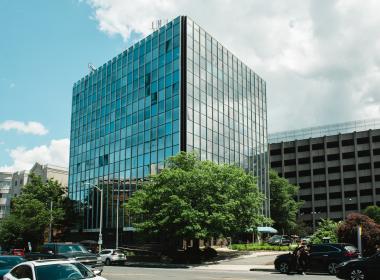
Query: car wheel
(357, 274)
(284, 267)
(108, 262)
(331, 268)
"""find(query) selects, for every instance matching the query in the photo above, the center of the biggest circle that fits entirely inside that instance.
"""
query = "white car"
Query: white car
(52, 270)
(110, 256)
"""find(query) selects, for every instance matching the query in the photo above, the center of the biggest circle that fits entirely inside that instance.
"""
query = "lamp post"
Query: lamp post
(117, 221)
(313, 213)
(51, 219)
(100, 239)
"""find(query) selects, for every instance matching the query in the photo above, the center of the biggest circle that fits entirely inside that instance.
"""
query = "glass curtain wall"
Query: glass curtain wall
(226, 107)
(125, 122)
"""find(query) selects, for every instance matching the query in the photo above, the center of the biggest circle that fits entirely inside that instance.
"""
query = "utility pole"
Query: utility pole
(359, 232)
(100, 239)
(117, 220)
(51, 219)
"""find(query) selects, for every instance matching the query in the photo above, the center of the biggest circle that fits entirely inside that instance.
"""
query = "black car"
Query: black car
(323, 258)
(69, 251)
(360, 269)
(8, 262)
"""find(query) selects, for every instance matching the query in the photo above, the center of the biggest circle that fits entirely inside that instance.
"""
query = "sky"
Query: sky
(320, 59)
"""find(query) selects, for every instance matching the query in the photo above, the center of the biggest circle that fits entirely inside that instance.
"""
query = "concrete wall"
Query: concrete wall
(337, 174)
(5, 193)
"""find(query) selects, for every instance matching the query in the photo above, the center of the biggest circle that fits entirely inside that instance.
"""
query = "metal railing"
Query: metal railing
(326, 130)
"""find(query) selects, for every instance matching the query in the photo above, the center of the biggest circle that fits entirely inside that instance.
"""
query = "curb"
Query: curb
(154, 265)
(264, 269)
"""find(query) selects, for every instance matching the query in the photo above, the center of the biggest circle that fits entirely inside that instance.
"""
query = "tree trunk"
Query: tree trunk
(196, 244)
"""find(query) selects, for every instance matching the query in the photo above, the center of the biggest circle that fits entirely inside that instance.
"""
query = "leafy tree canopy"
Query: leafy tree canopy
(326, 229)
(283, 206)
(196, 199)
(347, 232)
(30, 212)
(373, 212)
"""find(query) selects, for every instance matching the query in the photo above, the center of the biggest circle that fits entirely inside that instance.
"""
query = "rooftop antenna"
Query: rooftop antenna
(91, 67)
(158, 23)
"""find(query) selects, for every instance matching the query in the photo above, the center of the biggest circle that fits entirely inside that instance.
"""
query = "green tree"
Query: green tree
(30, 212)
(326, 228)
(373, 212)
(193, 199)
(283, 206)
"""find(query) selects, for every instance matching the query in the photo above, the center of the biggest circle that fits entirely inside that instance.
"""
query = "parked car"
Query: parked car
(69, 251)
(323, 258)
(18, 252)
(7, 262)
(279, 240)
(52, 270)
(360, 269)
(110, 256)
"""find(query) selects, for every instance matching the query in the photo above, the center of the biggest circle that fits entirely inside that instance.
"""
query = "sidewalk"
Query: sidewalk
(222, 267)
(241, 263)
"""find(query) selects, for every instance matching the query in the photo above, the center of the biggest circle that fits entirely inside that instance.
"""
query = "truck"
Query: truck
(68, 251)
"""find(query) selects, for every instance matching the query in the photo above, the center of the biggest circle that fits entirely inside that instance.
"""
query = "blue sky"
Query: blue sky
(45, 47)
(320, 57)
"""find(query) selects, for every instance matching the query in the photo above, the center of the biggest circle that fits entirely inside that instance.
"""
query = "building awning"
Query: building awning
(266, 230)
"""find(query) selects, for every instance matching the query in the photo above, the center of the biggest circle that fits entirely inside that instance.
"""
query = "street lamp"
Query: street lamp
(100, 240)
(313, 213)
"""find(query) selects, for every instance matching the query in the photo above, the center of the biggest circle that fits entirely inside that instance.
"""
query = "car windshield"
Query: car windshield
(63, 271)
(10, 261)
(70, 248)
(275, 237)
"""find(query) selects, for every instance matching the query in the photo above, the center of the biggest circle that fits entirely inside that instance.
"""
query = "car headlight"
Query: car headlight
(342, 264)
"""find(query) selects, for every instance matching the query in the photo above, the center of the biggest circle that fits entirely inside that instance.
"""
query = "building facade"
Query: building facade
(19, 179)
(176, 90)
(49, 171)
(5, 193)
(337, 174)
(11, 183)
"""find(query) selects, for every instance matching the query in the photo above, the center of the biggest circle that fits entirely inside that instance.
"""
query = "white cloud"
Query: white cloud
(12, 85)
(56, 153)
(321, 56)
(35, 128)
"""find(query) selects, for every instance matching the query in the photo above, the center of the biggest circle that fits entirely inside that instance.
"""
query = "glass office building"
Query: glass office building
(176, 90)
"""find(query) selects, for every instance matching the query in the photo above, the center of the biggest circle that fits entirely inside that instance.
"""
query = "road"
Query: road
(124, 273)
(260, 260)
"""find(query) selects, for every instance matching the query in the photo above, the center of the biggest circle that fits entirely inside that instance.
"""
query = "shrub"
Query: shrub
(209, 253)
(326, 228)
(347, 232)
(259, 247)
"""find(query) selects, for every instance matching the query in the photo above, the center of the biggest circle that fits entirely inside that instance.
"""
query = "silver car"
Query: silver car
(110, 256)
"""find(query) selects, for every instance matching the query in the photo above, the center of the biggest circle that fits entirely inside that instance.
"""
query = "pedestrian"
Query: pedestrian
(302, 259)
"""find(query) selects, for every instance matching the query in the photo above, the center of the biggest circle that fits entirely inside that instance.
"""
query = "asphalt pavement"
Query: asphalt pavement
(230, 269)
(138, 273)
